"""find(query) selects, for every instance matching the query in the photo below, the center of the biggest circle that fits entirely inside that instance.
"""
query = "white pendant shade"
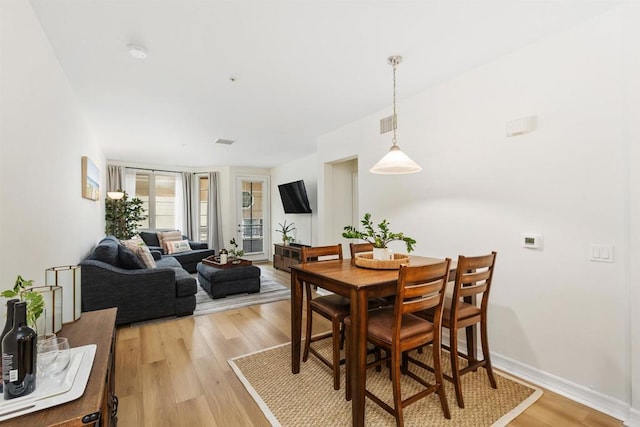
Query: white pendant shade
(395, 162)
(115, 195)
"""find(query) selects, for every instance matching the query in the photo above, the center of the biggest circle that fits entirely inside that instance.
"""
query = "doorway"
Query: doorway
(252, 208)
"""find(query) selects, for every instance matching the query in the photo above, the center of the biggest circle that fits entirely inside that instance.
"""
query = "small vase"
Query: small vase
(382, 254)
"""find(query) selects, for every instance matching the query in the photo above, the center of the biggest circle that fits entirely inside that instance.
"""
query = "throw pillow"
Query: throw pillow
(138, 247)
(145, 256)
(128, 259)
(178, 246)
(168, 236)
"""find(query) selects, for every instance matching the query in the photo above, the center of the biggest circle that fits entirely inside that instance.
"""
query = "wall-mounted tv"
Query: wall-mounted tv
(294, 197)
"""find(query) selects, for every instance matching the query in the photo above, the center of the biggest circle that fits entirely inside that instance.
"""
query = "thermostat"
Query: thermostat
(531, 240)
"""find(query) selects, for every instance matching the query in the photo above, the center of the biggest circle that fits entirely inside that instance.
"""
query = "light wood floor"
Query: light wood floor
(175, 372)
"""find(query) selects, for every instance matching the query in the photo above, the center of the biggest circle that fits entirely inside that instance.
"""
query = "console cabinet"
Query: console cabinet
(284, 256)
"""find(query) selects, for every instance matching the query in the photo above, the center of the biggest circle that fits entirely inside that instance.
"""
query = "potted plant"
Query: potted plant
(122, 216)
(35, 302)
(234, 252)
(378, 238)
(285, 229)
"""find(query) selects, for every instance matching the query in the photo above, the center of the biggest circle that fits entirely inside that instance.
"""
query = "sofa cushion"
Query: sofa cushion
(128, 259)
(168, 262)
(178, 246)
(150, 238)
(107, 251)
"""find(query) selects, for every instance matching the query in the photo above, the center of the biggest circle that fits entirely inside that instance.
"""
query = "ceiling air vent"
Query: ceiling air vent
(388, 124)
(225, 141)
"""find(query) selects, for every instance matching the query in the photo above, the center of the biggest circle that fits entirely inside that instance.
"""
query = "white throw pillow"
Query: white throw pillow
(174, 247)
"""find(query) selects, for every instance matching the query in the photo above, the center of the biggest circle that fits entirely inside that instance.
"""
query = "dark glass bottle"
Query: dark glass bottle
(7, 327)
(19, 356)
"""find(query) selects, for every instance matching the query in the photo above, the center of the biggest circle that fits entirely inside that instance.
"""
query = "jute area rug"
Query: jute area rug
(308, 398)
(270, 291)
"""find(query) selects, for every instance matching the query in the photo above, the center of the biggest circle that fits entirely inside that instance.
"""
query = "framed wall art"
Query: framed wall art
(90, 179)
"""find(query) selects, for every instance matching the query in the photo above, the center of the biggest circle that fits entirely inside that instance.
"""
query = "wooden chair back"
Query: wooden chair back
(321, 253)
(420, 288)
(473, 279)
(357, 248)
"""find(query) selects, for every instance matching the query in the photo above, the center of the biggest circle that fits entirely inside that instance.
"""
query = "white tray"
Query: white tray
(54, 391)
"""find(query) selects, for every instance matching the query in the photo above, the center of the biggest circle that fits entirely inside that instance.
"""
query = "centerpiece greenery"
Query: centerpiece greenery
(35, 302)
(285, 229)
(378, 238)
(234, 252)
(123, 216)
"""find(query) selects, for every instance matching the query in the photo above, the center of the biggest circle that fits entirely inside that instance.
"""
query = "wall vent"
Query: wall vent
(388, 124)
(225, 141)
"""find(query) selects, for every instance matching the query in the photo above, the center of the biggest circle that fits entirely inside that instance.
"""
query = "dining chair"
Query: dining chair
(332, 307)
(358, 248)
(472, 283)
(396, 330)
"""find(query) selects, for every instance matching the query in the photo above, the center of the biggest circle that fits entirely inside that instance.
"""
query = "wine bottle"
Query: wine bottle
(7, 327)
(19, 356)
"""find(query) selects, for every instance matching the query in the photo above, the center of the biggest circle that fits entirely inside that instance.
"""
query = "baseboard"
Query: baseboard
(576, 392)
(591, 398)
(634, 418)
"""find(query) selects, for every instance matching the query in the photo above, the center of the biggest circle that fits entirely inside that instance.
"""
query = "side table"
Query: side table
(98, 404)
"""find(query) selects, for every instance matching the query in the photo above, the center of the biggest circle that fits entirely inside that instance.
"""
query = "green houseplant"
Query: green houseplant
(234, 252)
(35, 302)
(285, 229)
(123, 216)
(379, 237)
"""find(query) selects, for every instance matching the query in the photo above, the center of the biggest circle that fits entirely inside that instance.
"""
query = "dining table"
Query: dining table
(344, 277)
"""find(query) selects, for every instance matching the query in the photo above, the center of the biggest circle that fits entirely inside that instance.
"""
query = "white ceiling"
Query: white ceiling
(302, 68)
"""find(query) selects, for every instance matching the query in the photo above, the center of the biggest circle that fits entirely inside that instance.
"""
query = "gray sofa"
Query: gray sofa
(188, 260)
(113, 277)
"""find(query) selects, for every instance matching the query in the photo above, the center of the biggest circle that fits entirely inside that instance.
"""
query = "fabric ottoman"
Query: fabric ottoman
(220, 282)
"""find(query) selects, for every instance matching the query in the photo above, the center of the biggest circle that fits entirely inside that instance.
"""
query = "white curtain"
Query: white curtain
(130, 182)
(178, 212)
(213, 214)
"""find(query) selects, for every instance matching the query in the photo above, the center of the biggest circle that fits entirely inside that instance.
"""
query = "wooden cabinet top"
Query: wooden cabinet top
(94, 327)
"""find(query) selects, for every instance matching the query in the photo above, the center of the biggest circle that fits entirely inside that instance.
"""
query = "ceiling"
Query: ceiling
(301, 68)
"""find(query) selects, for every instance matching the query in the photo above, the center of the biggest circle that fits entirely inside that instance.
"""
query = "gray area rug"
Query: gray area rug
(270, 291)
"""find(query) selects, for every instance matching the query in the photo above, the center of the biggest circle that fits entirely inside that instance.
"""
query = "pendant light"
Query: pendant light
(395, 162)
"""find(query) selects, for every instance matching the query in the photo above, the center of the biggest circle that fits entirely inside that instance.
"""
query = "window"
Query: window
(158, 194)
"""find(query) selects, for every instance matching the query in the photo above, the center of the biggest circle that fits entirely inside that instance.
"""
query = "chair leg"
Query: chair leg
(485, 352)
(455, 365)
(347, 380)
(307, 340)
(437, 367)
(395, 378)
(335, 340)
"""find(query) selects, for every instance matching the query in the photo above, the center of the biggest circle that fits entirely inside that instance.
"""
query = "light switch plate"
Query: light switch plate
(600, 253)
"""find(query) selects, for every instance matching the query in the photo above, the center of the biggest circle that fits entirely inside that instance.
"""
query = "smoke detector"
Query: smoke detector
(137, 51)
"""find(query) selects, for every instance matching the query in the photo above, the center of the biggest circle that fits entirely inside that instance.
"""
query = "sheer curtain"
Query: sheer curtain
(213, 214)
(130, 182)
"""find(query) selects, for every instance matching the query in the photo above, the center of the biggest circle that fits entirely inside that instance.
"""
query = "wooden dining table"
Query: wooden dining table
(344, 278)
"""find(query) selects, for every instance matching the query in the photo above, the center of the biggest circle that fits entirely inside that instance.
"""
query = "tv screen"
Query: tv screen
(294, 197)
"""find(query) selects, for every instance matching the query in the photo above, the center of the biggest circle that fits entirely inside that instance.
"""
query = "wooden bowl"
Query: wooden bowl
(366, 260)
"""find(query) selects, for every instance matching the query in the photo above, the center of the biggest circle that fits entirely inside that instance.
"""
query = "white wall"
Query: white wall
(306, 225)
(44, 220)
(555, 317)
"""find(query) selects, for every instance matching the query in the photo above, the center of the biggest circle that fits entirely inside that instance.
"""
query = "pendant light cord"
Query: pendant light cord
(394, 62)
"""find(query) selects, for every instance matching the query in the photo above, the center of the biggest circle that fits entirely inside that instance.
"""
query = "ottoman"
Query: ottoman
(220, 282)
